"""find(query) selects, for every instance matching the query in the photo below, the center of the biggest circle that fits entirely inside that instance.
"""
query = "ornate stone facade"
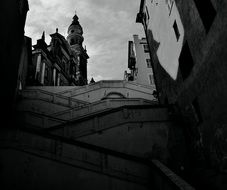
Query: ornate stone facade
(63, 62)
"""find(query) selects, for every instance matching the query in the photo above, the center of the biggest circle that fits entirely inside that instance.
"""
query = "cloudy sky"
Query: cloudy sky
(108, 25)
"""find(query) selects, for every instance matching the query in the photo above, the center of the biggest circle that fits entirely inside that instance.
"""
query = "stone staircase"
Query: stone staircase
(137, 129)
(42, 118)
(41, 107)
(109, 142)
(41, 101)
(33, 159)
(101, 90)
(99, 106)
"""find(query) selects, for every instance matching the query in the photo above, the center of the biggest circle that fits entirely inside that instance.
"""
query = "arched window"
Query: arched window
(113, 95)
(72, 42)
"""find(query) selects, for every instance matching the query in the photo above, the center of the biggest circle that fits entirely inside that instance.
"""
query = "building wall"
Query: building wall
(163, 27)
(13, 15)
(199, 86)
(22, 170)
(53, 65)
(139, 62)
(25, 61)
(142, 56)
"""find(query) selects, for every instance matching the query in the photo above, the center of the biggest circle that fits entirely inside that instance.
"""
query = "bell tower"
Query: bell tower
(75, 39)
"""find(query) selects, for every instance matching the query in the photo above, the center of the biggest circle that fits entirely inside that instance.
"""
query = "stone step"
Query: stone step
(38, 158)
(114, 88)
(137, 128)
(52, 97)
(99, 106)
(33, 159)
(134, 130)
(50, 117)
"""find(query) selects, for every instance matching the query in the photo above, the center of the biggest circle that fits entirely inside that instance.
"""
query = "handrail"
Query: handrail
(168, 174)
(101, 102)
(45, 119)
(48, 118)
(91, 90)
(100, 84)
(105, 112)
(42, 115)
(158, 169)
(54, 96)
(99, 165)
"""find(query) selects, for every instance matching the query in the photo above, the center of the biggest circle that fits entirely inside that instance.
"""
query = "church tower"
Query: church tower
(75, 40)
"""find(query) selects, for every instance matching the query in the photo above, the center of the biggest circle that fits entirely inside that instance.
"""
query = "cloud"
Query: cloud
(107, 25)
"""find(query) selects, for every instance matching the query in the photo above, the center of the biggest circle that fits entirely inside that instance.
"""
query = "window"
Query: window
(148, 63)
(136, 72)
(72, 42)
(46, 73)
(43, 72)
(58, 79)
(206, 12)
(185, 61)
(47, 76)
(61, 82)
(176, 30)
(151, 79)
(148, 16)
(72, 31)
(54, 77)
(146, 49)
(38, 65)
(170, 5)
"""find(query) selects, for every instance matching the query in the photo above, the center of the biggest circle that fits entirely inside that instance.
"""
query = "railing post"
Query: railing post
(71, 113)
(125, 113)
(44, 122)
(37, 94)
(142, 101)
(124, 84)
(53, 98)
(103, 161)
(69, 101)
(108, 103)
(96, 126)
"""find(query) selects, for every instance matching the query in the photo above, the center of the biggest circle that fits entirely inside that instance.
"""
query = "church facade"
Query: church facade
(62, 62)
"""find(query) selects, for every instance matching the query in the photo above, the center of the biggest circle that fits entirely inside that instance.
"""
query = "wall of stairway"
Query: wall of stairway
(108, 135)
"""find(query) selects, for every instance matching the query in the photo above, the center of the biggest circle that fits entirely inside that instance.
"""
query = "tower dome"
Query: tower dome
(75, 40)
(75, 32)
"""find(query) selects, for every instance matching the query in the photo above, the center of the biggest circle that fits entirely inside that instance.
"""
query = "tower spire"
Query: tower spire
(75, 32)
(43, 36)
(75, 39)
(75, 19)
